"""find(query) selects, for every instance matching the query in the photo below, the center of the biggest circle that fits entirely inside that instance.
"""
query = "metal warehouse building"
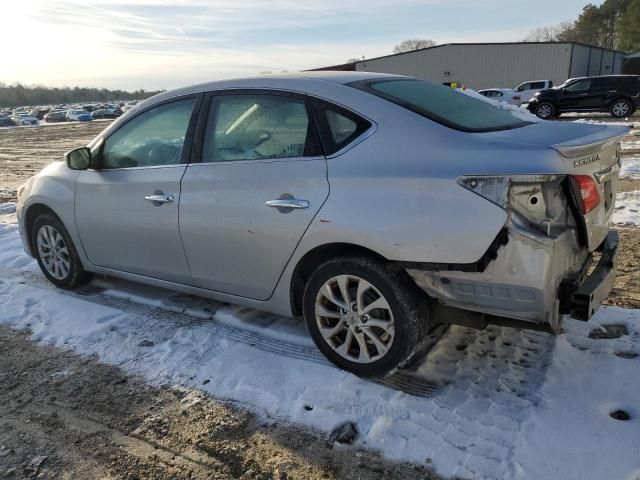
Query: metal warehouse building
(487, 65)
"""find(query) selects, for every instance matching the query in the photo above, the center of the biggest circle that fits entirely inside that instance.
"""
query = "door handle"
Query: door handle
(287, 203)
(157, 199)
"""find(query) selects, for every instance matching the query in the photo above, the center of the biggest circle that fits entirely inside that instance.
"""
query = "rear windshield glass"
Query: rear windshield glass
(443, 104)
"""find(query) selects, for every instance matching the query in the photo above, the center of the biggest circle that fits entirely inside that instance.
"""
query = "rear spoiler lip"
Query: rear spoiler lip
(583, 146)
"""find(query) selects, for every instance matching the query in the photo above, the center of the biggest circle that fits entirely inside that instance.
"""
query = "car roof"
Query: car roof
(281, 81)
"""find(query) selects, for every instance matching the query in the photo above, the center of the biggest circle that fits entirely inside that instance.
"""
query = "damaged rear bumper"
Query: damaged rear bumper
(588, 294)
(532, 279)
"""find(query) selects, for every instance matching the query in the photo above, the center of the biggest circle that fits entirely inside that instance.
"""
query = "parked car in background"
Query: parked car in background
(617, 94)
(526, 90)
(311, 195)
(23, 118)
(501, 95)
(78, 116)
(56, 116)
(103, 113)
(6, 121)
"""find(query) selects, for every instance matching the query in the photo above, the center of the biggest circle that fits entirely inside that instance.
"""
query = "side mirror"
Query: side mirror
(78, 159)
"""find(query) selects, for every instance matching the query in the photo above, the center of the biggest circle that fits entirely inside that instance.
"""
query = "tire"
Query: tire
(621, 108)
(399, 330)
(68, 271)
(545, 110)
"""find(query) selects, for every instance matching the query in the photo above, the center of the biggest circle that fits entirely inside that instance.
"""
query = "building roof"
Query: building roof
(487, 44)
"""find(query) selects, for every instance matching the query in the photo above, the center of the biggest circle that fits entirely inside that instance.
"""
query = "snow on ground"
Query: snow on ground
(630, 145)
(509, 404)
(627, 209)
(630, 168)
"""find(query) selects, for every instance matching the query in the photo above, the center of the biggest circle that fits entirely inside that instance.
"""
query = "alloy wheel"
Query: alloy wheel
(544, 111)
(620, 109)
(53, 252)
(354, 319)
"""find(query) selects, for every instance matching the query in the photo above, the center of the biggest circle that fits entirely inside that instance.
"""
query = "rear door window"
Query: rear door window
(258, 127)
(442, 104)
(537, 85)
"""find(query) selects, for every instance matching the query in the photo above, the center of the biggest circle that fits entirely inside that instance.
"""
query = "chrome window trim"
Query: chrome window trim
(105, 170)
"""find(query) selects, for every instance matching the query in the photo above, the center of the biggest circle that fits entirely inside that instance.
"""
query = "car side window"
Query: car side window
(537, 85)
(523, 87)
(258, 127)
(338, 126)
(579, 86)
(153, 138)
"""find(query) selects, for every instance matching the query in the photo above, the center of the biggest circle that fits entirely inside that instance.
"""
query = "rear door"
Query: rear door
(259, 181)
(602, 91)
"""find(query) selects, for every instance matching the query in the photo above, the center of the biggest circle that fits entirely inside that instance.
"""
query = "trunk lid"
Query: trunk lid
(596, 155)
(584, 149)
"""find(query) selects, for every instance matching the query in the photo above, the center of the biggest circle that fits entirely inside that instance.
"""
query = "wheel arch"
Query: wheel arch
(32, 213)
(312, 259)
(623, 97)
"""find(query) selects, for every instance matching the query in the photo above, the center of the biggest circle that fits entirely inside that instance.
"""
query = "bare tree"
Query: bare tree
(413, 44)
(553, 33)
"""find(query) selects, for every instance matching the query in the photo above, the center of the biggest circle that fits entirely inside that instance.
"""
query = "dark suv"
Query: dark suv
(616, 94)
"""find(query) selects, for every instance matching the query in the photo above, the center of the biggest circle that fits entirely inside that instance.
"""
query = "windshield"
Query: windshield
(442, 104)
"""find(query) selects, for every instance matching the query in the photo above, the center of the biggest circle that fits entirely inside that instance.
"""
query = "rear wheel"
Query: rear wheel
(366, 316)
(621, 108)
(55, 252)
(545, 110)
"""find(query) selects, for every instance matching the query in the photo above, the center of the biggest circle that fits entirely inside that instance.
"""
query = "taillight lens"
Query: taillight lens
(516, 97)
(589, 195)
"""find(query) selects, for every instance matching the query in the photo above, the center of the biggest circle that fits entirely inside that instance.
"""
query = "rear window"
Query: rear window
(442, 104)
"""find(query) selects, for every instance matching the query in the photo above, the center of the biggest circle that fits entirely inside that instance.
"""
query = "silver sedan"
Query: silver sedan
(375, 206)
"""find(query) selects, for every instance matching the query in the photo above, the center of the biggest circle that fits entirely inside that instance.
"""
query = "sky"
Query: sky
(162, 44)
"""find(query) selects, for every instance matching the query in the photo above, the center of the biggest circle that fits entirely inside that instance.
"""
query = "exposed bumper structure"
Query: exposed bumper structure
(589, 294)
(532, 279)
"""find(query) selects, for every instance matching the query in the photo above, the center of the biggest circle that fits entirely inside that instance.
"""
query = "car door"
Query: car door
(575, 96)
(260, 181)
(127, 207)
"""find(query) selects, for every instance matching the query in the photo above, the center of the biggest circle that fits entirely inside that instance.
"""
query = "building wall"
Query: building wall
(595, 61)
(498, 65)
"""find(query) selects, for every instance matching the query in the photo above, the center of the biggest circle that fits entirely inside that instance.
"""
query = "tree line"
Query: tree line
(19, 95)
(615, 24)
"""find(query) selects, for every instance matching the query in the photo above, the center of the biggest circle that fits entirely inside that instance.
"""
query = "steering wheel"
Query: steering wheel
(163, 154)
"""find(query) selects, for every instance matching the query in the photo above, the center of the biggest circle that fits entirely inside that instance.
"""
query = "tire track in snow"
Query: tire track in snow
(404, 380)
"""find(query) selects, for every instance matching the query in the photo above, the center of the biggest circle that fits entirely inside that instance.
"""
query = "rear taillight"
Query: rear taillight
(516, 97)
(589, 195)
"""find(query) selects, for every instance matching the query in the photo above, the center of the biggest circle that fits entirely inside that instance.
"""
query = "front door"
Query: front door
(260, 182)
(127, 208)
(575, 96)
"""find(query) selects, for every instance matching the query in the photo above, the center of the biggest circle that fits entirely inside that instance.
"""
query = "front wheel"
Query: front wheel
(545, 110)
(56, 254)
(621, 108)
(366, 316)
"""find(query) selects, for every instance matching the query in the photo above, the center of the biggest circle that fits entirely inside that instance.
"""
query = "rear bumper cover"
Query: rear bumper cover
(592, 290)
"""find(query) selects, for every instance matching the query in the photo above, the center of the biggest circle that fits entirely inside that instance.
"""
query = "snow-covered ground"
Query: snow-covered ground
(507, 404)
(627, 209)
(630, 168)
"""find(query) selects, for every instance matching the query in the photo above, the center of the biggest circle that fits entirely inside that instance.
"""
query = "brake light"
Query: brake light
(516, 97)
(589, 195)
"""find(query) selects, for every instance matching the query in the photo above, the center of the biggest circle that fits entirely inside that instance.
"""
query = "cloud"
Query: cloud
(167, 43)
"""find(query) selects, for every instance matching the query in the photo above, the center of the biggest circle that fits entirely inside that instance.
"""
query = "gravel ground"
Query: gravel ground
(65, 416)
